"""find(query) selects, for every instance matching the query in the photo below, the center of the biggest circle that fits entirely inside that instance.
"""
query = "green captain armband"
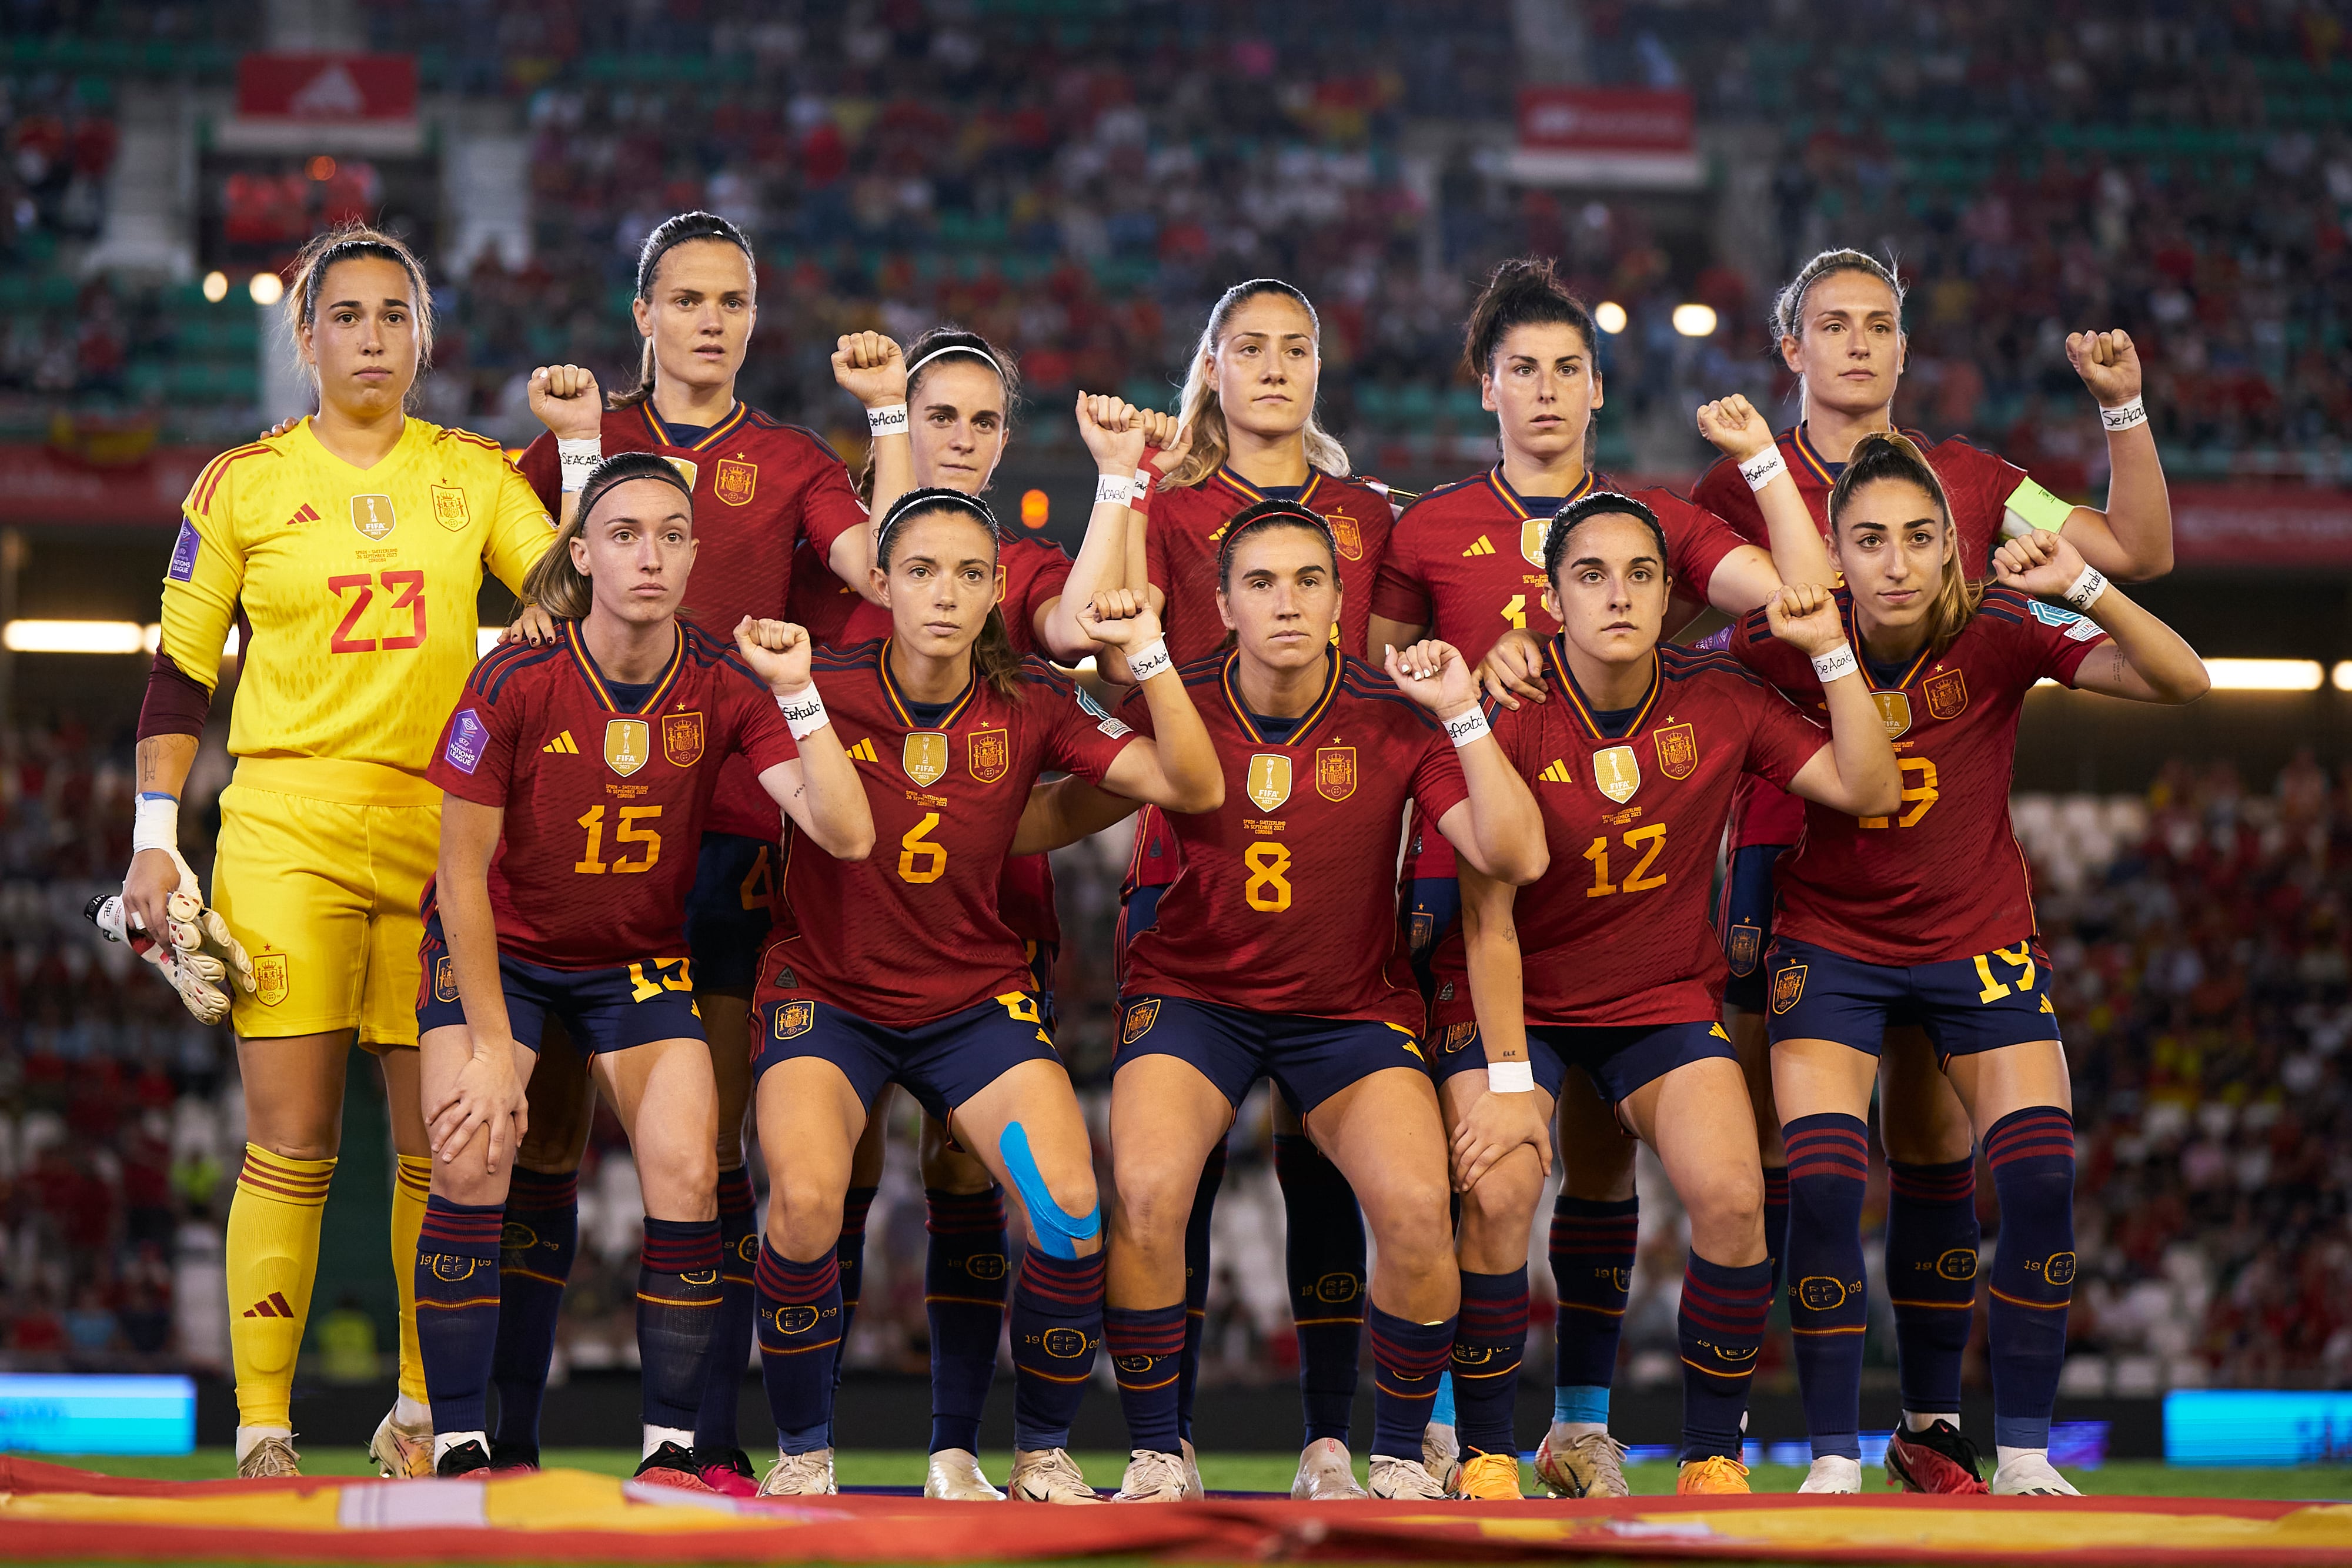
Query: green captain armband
(2035, 508)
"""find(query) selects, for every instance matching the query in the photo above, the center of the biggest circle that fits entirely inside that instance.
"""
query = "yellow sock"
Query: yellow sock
(411, 1185)
(272, 1258)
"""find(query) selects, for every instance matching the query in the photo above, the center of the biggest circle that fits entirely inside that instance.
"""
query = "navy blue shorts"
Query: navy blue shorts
(1043, 956)
(1743, 922)
(1966, 1005)
(1433, 907)
(727, 912)
(942, 1064)
(1309, 1059)
(1620, 1059)
(602, 1010)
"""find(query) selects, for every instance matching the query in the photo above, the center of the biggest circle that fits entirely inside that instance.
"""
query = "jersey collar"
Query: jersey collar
(1910, 671)
(898, 704)
(1251, 495)
(1518, 509)
(1801, 443)
(595, 677)
(1232, 683)
(1553, 650)
(711, 437)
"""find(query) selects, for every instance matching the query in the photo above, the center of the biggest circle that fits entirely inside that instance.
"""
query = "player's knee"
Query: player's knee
(1152, 1203)
(1056, 1187)
(1505, 1199)
(804, 1217)
(323, 1141)
(1412, 1222)
(1728, 1205)
(951, 1170)
(1602, 1174)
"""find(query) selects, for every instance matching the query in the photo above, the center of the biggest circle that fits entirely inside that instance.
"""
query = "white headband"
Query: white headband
(955, 348)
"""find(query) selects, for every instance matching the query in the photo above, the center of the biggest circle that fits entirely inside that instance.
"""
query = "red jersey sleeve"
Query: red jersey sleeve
(829, 505)
(1781, 739)
(1401, 592)
(1696, 542)
(761, 735)
(1722, 491)
(544, 472)
(2051, 642)
(475, 761)
(1080, 737)
(1155, 555)
(1437, 783)
(1753, 644)
(1048, 570)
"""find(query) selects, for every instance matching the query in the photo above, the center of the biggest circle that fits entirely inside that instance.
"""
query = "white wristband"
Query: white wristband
(1139, 491)
(1838, 661)
(156, 823)
(804, 712)
(2125, 417)
(578, 460)
(1764, 467)
(889, 420)
(1510, 1077)
(1114, 490)
(2086, 588)
(1149, 660)
(1464, 727)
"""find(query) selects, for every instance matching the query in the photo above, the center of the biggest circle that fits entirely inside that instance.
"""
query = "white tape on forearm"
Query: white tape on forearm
(2124, 416)
(1464, 727)
(1764, 467)
(887, 420)
(1114, 489)
(1139, 490)
(1510, 1078)
(156, 823)
(804, 712)
(578, 460)
(1838, 661)
(2086, 588)
(1149, 660)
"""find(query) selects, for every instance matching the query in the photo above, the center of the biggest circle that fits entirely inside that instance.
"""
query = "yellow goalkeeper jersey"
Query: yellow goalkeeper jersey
(358, 587)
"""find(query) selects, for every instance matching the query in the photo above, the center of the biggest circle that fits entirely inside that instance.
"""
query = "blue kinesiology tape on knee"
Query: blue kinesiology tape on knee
(1057, 1232)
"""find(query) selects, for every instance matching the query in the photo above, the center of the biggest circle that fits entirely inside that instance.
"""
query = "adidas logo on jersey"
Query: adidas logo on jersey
(272, 1305)
(1556, 773)
(1483, 546)
(863, 751)
(563, 745)
(305, 516)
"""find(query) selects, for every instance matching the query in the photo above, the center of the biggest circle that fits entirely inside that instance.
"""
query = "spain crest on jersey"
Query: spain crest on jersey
(1788, 987)
(1268, 785)
(1346, 535)
(925, 756)
(988, 753)
(1531, 539)
(1616, 773)
(271, 982)
(1677, 750)
(734, 480)
(1140, 1019)
(1894, 711)
(628, 745)
(1946, 692)
(372, 515)
(794, 1019)
(1335, 771)
(682, 738)
(449, 507)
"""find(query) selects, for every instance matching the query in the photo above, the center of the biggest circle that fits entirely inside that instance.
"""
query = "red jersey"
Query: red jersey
(604, 803)
(1617, 931)
(1466, 563)
(913, 933)
(1286, 899)
(1943, 878)
(761, 487)
(1979, 485)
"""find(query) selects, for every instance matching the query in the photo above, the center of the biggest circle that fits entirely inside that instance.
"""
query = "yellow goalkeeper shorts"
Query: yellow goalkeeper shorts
(320, 867)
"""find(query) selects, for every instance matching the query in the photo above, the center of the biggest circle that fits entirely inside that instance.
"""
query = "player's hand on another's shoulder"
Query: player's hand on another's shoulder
(565, 397)
(1433, 675)
(1114, 431)
(2109, 364)
(2041, 563)
(1514, 668)
(1734, 427)
(531, 624)
(1121, 618)
(777, 651)
(869, 368)
(282, 426)
(1805, 616)
(1494, 1126)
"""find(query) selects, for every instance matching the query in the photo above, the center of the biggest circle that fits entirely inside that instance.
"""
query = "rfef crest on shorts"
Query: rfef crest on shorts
(988, 754)
(628, 745)
(1788, 987)
(445, 979)
(1268, 785)
(372, 515)
(1140, 1019)
(449, 507)
(734, 480)
(1456, 1038)
(271, 982)
(1677, 750)
(682, 738)
(1946, 692)
(1616, 773)
(794, 1019)
(1747, 941)
(1335, 771)
(925, 756)
(1895, 711)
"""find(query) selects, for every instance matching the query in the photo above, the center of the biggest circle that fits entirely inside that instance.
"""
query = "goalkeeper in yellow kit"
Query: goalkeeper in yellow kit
(351, 548)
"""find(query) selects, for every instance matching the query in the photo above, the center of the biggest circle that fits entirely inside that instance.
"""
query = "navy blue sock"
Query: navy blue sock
(2032, 1157)
(1931, 1276)
(1828, 1165)
(851, 1250)
(1145, 1347)
(678, 1309)
(1196, 1284)
(1776, 1220)
(715, 1426)
(1057, 1317)
(1490, 1340)
(536, 1249)
(1407, 1356)
(798, 1315)
(1592, 1247)
(1721, 1327)
(457, 1308)
(964, 1277)
(1323, 1253)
